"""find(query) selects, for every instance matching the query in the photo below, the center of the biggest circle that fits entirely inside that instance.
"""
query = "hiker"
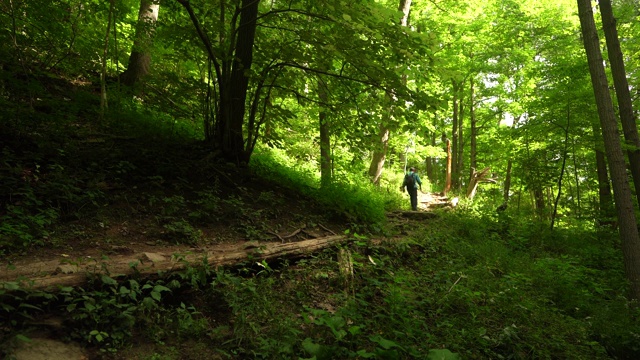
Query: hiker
(411, 182)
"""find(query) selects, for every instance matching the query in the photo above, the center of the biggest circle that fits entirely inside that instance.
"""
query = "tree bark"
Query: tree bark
(454, 136)
(325, 137)
(460, 164)
(54, 274)
(431, 161)
(507, 181)
(622, 193)
(232, 137)
(476, 178)
(474, 132)
(605, 198)
(577, 180)
(538, 196)
(447, 183)
(621, 85)
(507, 177)
(103, 74)
(379, 155)
(140, 58)
(564, 163)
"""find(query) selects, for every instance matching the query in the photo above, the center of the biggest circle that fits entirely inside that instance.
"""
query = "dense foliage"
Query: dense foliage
(201, 114)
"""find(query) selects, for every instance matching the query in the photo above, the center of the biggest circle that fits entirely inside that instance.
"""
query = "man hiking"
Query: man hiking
(411, 182)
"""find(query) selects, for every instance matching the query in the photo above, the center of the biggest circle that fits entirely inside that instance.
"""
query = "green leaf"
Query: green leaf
(23, 338)
(346, 17)
(11, 285)
(160, 288)
(108, 281)
(148, 303)
(365, 354)
(310, 347)
(442, 354)
(384, 343)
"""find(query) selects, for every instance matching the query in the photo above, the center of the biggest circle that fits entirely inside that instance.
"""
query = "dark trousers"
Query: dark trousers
(413, 194)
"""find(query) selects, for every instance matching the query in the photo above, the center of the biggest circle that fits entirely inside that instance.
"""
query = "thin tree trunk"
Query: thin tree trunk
(325, 137)
(538, 196)
(564, 163)
(447, 183)
(474, 132)
(507, 181)
(431, 161)
(460, 164)
(454, 135)
(577, 180)
(605, 198)
(621, 85)
(622, 192)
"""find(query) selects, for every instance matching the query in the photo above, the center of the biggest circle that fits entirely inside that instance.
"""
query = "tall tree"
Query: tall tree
(140, 58)
(380, 150)
(622, 193)
(473, 148)
(325, 135)
(232, 74)
(605, 200)
(460, 164)
(455, 127)
(627, 117)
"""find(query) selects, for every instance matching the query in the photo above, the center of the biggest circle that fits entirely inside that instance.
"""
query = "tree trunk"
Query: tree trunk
(507, 181)
(325, 137)
(621, 85)
(622, 193)
(507, 178)
(460, 164)
(447, 183)
(577, 180)
(379, 155)
(474, 132)
(454, 136)
(380, 151)
(431, 161)
(476, 178)
(103, 73)
(232, 136)
(140, 58)
(564, 163)
(605, 198)
(538, 196)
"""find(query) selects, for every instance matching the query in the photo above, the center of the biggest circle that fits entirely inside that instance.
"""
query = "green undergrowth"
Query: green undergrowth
(354, 198)
(463, 286)
(60, 169)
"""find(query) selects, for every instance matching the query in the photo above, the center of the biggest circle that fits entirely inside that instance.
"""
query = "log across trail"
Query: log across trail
(52, 274)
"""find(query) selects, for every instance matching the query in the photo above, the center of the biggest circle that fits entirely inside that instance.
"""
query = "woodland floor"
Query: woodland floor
(91, 246)
(155, 199)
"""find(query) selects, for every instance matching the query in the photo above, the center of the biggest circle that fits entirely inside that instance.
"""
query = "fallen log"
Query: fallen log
(55, 274)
